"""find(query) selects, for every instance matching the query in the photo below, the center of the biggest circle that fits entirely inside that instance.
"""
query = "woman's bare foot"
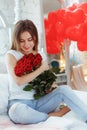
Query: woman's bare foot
(61, 112)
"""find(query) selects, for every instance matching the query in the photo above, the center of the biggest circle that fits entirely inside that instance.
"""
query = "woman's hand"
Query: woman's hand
(54, 85)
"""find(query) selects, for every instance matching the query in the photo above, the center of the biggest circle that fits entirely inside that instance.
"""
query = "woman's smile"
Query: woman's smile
(26, 48)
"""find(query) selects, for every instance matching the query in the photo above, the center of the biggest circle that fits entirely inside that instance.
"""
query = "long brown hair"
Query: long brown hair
(20, 27)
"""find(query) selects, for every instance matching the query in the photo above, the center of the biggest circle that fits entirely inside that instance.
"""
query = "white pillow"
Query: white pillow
(3, 93)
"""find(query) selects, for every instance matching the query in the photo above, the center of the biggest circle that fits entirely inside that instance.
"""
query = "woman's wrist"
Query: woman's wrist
(41, 69)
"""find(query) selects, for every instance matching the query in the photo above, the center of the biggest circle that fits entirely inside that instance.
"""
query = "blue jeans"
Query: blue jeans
(34, 111)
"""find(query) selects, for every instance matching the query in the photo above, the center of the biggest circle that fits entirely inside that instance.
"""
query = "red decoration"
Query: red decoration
(82, 42)
(83, 6)
(70, 23)
(73, 7)
(53, 47)
(74, 33)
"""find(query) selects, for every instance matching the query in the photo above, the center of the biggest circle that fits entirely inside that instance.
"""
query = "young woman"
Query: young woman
(22, 107)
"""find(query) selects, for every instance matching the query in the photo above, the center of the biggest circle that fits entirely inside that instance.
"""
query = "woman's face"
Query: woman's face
(26, 42)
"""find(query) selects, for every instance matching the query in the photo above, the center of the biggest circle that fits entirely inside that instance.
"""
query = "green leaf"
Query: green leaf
(27, 88)
(41, 83)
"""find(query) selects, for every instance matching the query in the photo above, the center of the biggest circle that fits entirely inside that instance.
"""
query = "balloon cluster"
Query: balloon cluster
(68, 23)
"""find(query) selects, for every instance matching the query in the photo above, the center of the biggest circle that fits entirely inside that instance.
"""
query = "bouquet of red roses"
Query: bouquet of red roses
(42, 83)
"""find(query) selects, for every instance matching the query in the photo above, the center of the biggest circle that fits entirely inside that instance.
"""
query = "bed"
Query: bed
(69, 121)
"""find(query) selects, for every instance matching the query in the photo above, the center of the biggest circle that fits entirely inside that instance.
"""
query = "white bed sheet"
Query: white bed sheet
(53, 123)
(70, 121)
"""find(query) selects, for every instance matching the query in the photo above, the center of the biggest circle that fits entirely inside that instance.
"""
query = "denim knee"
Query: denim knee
(23, 114)
(63, 88)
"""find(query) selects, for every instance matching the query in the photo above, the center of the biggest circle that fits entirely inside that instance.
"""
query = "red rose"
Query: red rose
(30, 57)
(37, 60)
(27, 63)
